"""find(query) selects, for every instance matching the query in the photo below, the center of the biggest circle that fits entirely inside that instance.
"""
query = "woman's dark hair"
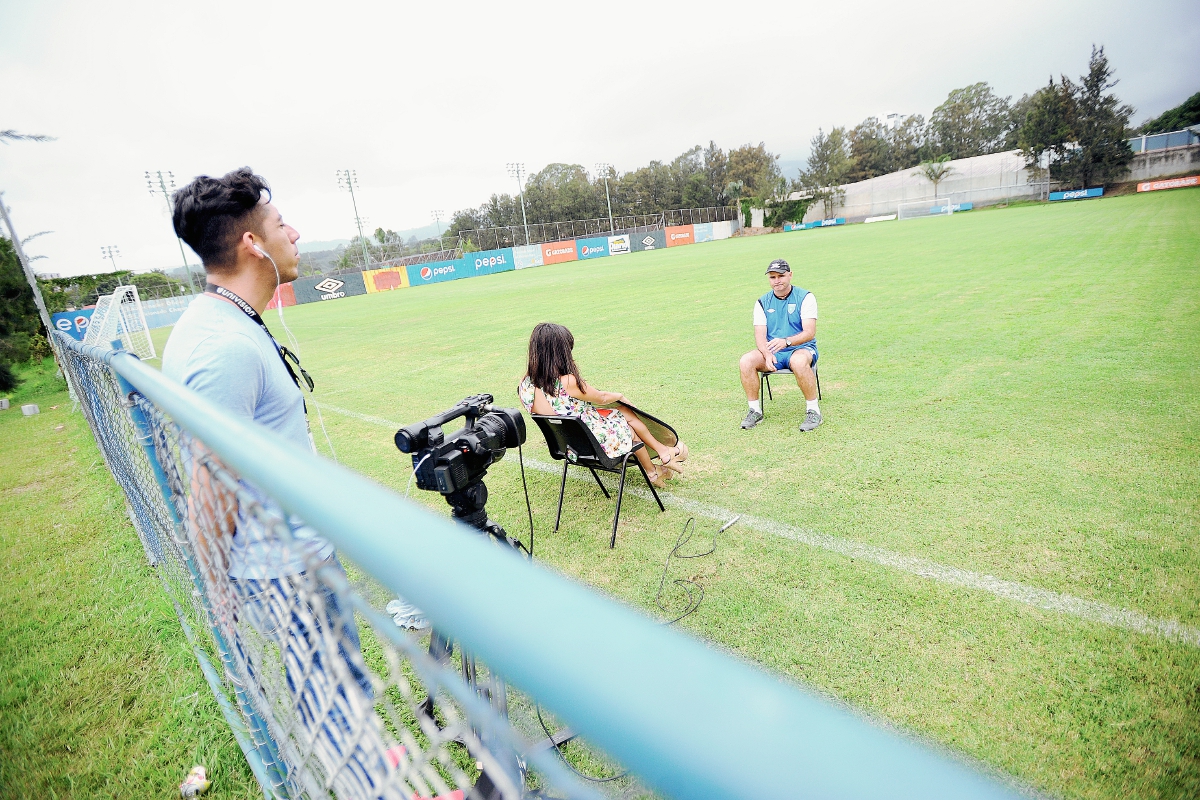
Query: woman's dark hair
(550, 356)
(211, 214)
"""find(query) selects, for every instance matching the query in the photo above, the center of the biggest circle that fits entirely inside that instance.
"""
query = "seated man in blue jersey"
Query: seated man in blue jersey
(785, 335)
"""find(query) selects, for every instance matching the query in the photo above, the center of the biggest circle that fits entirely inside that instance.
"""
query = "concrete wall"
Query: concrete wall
(1163, 163)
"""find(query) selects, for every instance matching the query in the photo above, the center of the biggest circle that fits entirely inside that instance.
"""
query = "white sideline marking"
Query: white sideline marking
(1090, 610)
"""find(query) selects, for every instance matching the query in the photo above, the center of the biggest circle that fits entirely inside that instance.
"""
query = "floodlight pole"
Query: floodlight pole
(517, 170)
(111, 251)
(162, 187)
(437, 219)
(605, 168)
(28, 270)
(351, 178)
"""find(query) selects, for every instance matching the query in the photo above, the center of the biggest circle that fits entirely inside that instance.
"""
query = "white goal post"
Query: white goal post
(119, 316)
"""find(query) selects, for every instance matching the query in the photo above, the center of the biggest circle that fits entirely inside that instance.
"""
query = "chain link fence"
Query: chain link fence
(329, 697)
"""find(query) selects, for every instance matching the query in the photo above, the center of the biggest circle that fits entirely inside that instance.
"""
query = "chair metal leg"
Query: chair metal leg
(620, 494)
(818, 375)
(661, 507)
(600, 483)
(561, 491)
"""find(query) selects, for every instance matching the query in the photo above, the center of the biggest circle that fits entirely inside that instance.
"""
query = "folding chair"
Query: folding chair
(764, 379)
(573, 443)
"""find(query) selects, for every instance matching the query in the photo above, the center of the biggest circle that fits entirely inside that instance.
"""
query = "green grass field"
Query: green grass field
(1011, 393)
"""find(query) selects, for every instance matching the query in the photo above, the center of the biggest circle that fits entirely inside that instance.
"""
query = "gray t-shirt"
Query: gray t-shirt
(223, 355)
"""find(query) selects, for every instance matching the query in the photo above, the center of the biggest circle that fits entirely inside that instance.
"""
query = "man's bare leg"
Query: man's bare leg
(750, 366)
(801, 366)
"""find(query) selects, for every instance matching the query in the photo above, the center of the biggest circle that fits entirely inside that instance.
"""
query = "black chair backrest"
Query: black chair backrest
(568, 438)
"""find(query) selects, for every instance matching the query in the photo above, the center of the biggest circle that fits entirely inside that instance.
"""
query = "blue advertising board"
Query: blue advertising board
(823, 223)
(592, 248)
(438, 271)
(704, 231)
(486, 262)
(73, 323)
(1077, 194)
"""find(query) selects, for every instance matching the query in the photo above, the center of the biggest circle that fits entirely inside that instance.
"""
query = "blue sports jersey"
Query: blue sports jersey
(783, 316)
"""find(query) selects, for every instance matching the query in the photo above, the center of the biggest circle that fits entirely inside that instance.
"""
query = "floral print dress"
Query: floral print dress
(608, 425)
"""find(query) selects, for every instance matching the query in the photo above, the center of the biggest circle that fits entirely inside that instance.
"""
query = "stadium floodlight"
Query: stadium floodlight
(110, 251)
(604, 168)
(348, 179)
(437, 220)
(165, 178)
(517, 170)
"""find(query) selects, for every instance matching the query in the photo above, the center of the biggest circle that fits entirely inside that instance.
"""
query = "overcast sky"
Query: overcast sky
(428, 102)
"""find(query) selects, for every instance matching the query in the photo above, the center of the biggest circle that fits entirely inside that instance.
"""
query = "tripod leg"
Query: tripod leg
(561, 491)
(439, 649)
(599, 483)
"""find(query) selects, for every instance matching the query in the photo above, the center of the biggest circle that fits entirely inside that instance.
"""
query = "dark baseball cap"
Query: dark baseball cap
(778, 265)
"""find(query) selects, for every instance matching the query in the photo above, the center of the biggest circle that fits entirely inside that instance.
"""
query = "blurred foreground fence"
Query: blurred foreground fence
(329, 698)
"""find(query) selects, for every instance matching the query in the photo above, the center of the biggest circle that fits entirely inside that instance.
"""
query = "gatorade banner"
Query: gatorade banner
(383, 280)
(332, 287)
(485, 262)
(650, 240)
(284, 296)
(73, 323)
(703, 232)
(558, 252)
(680, 234)
(1170, 183)
(528, 256)
(436, 272)
(592, 248)
(620, 245)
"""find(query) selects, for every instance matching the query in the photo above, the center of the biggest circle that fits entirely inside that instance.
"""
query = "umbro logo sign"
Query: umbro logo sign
(648, 241)
(329, 285)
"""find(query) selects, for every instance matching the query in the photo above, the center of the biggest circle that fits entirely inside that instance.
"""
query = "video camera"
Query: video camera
(450, 465)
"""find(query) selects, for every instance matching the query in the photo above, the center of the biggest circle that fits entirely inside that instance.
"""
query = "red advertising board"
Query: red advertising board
(1170, 183)
(557, 252)
(680, 234)
(284, 296)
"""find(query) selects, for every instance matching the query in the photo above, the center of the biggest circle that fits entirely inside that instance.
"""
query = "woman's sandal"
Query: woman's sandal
(658, 478)
(678, 457)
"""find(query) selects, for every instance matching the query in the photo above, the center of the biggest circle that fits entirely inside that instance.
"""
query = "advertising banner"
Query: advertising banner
(558, 252)
(485, 262)
(331, 287)
(527, 256)
(73, 323)
(703, 232)
(386, 279)
(825, 223)
(1172, 183)
(680, 234)
(793, 226)
(948, 208)
(284, 296)
(436, 272)
(650, 240)
(592, 248)
(1077, 194)
(620, 245)
(722, 230)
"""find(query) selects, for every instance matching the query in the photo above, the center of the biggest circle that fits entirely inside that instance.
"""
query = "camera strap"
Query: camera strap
(286, 356)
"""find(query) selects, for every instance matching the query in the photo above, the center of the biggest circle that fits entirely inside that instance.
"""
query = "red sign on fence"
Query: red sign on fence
(557, 252)
(1172, 183)
(680, 234)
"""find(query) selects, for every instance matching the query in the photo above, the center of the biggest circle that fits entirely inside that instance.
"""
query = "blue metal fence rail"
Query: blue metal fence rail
(687, 720)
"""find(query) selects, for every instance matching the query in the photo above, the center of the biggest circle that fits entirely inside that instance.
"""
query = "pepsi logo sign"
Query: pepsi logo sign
(63, 325)
(426, 273)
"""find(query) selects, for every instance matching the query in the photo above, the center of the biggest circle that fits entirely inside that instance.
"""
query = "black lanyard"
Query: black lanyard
(284, 353)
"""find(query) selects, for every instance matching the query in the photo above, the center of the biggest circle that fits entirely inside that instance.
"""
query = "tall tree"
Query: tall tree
(755, 167)
(829, 162)
(973, 121)
(870, 149)
(1101, 125)
(1048, 126)
(19, 321)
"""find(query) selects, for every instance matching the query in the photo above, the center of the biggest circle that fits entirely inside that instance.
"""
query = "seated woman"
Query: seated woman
(553, 385)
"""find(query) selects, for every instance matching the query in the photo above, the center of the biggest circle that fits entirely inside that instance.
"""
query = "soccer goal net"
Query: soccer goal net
(119, 316)
(933, 207)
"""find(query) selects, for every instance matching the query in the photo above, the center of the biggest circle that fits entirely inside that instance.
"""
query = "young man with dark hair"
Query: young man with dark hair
(785, 337)
(221, 349)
